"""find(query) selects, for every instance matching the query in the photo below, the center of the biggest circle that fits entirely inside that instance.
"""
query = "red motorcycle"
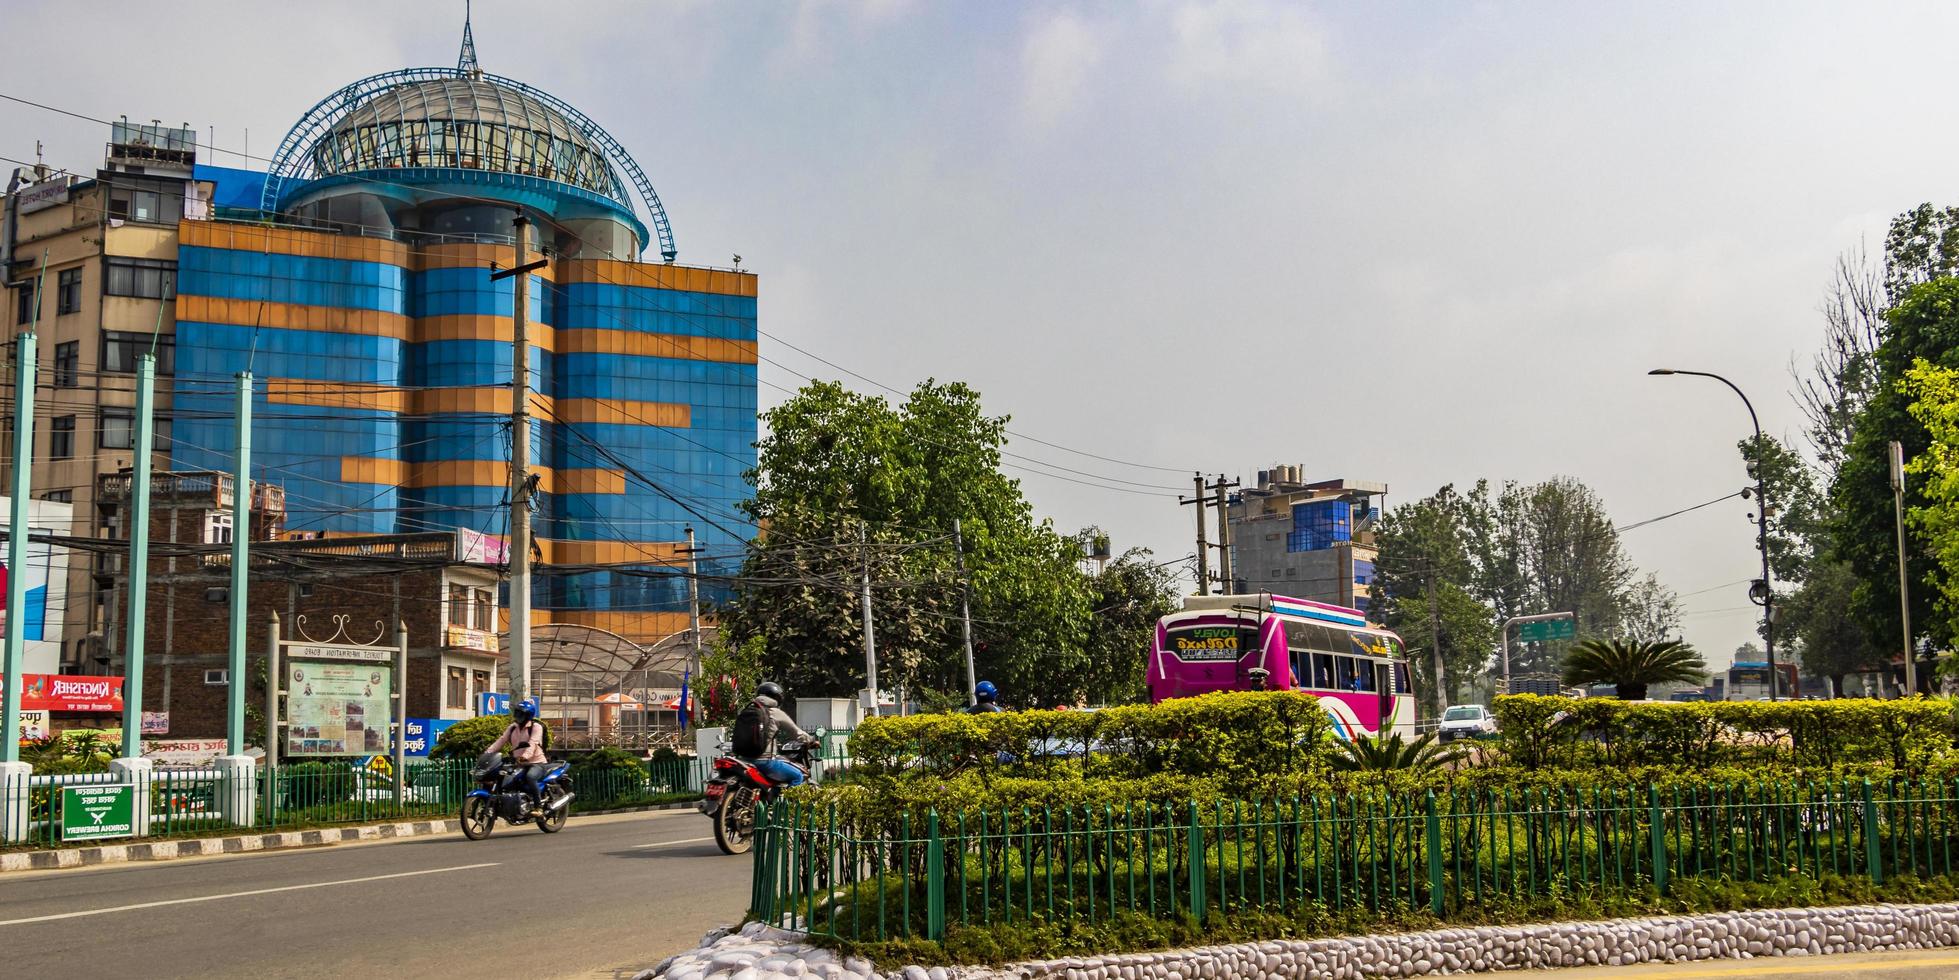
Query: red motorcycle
(737, 786)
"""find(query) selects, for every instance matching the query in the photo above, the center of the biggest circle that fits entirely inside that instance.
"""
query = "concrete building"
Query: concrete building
(1307, 540)
(352, 279)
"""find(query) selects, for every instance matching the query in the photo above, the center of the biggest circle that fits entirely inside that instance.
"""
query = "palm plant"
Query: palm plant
(1632, 666)
(1391, 752)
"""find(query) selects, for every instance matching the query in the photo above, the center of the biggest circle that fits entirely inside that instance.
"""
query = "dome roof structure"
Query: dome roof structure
(425, 133)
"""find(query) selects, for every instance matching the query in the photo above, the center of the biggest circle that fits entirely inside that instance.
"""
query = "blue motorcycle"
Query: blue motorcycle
(500, 795)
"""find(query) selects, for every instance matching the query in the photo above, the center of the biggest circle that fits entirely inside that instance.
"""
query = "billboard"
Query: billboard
(337, 708)
(45, 578)
(422, 735)
(64, 692)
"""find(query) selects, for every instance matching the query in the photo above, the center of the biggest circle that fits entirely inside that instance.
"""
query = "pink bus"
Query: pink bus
(1359, 672)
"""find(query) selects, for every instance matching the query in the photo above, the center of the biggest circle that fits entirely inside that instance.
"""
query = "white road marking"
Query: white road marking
(664, 843)
(258, 891)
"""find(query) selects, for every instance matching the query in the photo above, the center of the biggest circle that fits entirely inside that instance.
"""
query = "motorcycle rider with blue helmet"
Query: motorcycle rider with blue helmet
(986, 699)
(525, 736)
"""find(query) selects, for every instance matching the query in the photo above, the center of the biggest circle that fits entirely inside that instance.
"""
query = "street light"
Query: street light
(1762, 590)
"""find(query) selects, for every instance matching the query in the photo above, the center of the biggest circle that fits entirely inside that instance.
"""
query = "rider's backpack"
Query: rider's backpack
(754, 731)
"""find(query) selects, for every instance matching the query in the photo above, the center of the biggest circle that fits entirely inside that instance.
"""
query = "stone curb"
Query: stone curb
(764, 953)
(85, 857)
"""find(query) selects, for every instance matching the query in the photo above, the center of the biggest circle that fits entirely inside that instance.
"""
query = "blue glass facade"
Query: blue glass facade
(382, 392)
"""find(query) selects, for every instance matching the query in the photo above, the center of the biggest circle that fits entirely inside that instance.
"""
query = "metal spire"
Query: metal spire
(466, 60)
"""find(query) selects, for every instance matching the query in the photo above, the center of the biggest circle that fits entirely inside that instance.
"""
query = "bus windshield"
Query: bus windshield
(1210, 643)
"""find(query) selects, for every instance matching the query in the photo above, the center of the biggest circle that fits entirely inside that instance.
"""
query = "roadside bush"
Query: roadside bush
(467, 739)
(309, 784)
(607, 773)
(1535, 731)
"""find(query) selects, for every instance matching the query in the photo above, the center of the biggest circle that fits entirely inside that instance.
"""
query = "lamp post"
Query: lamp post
(1762, 591)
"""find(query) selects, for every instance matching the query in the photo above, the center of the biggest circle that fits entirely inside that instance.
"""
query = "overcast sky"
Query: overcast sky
(1415, 243)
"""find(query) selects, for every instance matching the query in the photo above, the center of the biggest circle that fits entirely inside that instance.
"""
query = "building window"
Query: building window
(121, 349)
(459, 605)
(482, 681)
(157, 202)
(458, 692)
(68, 291)
(118, 430)
(141, 278)
(67, 363)
(60, 496)
(217, 529)
(485, 610)
(160, 435)
(61, 437)
(24, 297)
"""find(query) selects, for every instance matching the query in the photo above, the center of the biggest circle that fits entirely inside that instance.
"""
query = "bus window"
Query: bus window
(1363, 675)
(1401, 678)
(1323, 671)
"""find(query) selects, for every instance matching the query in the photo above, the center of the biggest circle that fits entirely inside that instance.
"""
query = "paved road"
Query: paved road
(611, 896)
(1925, 964)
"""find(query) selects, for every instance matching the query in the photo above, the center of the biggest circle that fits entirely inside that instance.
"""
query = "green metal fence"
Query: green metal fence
(184, 803)
(1441, 853)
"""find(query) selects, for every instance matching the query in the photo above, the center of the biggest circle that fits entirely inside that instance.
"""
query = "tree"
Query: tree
(1421, 573)
(1129, 596)
(1922, 245)
(1632, 666)
(1935, 405)
(1650, 611)
(1749, 653)
(1795, 507)
(1843, 374)
(847, 483)
(1828, 642)
(1923, 325)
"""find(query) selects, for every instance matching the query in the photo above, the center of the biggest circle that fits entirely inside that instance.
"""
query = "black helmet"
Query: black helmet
(770, 690)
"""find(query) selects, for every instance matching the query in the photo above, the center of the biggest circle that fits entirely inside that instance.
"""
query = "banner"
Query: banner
(422, 735)
(33, 724)
(183, 751)
(337, 708)
(61, 692)
(156, 722)
(488, 703)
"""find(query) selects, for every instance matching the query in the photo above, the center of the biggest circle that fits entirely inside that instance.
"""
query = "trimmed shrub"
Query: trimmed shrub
(467, 739)
(1537, 731)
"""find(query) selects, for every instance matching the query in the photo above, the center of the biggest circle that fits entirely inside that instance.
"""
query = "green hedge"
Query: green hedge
(1239, 736)
(1554, 732)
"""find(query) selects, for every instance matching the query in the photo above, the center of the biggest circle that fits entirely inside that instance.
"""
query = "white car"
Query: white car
(1466, 721)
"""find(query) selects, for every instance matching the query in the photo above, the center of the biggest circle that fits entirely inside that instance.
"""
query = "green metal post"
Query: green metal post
(1873, 857)
(1195, 852)
(934, 878)
(17, 531)
(241, 536)
(1657, 832)
(139, 558)
(1435, 895)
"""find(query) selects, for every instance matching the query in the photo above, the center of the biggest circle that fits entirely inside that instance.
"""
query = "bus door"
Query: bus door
(1384, 688)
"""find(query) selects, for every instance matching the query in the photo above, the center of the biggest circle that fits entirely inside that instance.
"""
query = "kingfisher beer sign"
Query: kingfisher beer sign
(61, 692)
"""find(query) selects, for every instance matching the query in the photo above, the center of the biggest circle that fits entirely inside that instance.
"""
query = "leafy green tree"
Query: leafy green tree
(1632, 666)
(1935, 405)
(1650, 610)
(1129, 596)
(1922, 245)
(1795, 506)
(1424, 561)
(1828, 642)
(847, 484)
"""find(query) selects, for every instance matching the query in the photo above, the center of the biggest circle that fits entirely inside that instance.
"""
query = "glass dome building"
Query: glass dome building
(358, 294)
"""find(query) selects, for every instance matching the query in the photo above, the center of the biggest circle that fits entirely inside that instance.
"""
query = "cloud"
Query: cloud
(1059, 57)
(1246, 42)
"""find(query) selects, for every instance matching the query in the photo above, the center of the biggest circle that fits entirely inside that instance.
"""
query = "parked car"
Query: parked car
(1466, 721)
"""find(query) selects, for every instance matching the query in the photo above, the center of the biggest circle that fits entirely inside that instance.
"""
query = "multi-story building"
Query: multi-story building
(1307, 540)
(352, 279)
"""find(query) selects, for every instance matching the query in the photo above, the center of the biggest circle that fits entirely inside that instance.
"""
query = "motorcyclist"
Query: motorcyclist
(764, 726)
(986, 699)
(525, 736)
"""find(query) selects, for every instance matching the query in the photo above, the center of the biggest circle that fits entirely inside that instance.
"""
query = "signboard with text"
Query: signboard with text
(1204, 643)
(422, 734)
(489, 703)
(337, 707)
(1546, 629)
(33, 724)
(63, 692)
(97, 812)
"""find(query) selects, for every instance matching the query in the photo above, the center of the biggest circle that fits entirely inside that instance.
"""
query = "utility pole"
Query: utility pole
(1203, 544)
(1224, 535)
(870, 630)
(17, 532)
(693, 603)
(1904, 580)
(1435, 647)
(520, 457)
(241, 537)
(965, 613)
(139, 560)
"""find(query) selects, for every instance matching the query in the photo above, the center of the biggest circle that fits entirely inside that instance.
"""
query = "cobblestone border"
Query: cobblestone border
(762, 953)
(166, 850)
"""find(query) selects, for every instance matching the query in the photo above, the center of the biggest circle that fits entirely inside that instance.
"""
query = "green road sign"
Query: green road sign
(97, 812)
(1546, 629)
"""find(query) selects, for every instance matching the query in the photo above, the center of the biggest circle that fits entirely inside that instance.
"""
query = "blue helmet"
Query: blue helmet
(985, 691)
(525, 711)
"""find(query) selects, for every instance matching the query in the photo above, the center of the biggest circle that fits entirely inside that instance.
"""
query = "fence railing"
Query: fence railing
(1441, 854)
(191, 802)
